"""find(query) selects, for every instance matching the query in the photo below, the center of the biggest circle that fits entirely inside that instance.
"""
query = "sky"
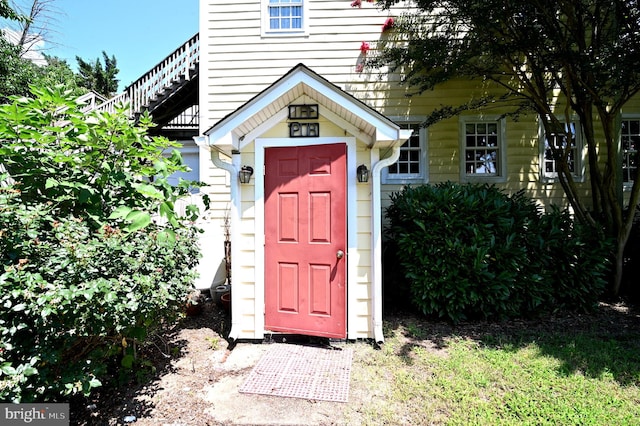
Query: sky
(139, 33)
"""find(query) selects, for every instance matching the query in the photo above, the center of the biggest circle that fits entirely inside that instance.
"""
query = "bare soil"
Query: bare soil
(193, 374)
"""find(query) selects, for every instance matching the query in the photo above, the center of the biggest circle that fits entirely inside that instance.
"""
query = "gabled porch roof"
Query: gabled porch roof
(271, 106)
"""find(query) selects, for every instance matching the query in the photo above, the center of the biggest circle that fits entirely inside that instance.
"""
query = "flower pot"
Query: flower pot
(226, 301)
(218, 291)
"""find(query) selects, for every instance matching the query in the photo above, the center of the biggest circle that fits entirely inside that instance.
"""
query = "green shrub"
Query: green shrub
(472, 251)
(87, 273)
(574, 258)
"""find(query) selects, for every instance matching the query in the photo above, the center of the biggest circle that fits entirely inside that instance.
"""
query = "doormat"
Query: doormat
(302, 372)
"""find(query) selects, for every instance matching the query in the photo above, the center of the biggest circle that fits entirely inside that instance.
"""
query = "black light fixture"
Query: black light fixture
(245, 174)
(363, 173)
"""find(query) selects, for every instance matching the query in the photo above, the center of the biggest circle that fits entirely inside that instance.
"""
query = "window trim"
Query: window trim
(409, 178)
(626, 186)
(501, 175)
(579, 172)
(266, 31)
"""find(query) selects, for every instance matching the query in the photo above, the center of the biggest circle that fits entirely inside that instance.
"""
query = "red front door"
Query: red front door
(305, 240)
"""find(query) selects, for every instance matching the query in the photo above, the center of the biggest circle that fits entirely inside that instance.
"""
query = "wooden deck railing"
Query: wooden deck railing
(142, 92)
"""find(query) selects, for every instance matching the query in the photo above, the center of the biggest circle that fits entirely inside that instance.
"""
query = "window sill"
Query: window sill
(552, 180)
(482, 179)
(416, 180)
(285, 34)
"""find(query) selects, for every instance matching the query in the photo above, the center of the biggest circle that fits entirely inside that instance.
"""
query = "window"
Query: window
(630, 138)
(412, 164)
(482, 147)
(567, 138)
(283, 17)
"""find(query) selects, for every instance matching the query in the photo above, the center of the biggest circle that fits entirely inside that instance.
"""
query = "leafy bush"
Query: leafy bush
(631, 264)
(472, 251)
(87, 273)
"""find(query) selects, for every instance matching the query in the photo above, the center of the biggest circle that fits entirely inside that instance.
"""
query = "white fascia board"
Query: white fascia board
(398, 137)
(405, 134)
(224, 142)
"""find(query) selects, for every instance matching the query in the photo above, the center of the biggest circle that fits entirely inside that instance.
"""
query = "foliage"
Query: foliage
(557, 58)
(93, 255)
(16, 73)
(99, 77)
(6, 11)
(471, 250)
(57, 72)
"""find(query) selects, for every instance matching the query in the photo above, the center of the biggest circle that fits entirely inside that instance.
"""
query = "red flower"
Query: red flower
(356, 3)
(364, 47)
(359, 67)
(388, 24)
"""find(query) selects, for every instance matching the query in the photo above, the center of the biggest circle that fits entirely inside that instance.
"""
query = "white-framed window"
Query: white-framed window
(483, 149)
(630, 140)
(284, 17)
(567, 138)
(412, 165)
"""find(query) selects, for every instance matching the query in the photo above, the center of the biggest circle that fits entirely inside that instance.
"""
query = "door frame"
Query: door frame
(352, 259)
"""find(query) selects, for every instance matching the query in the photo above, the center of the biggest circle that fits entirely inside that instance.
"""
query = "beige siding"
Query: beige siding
(238, 62)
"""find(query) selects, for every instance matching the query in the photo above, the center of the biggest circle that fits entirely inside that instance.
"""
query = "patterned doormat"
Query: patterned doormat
(302, 372)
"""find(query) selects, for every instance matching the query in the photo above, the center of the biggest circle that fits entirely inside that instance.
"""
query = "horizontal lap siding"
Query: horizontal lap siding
(240, 62)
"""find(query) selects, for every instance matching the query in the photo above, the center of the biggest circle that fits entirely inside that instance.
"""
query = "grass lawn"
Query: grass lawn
(569, 370)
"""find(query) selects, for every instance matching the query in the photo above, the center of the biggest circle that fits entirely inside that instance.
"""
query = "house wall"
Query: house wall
(238, 62)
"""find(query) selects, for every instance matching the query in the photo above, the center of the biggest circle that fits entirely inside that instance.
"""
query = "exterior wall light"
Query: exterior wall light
(245, 174)
(363, 173)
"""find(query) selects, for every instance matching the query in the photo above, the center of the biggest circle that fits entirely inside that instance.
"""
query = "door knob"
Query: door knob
(340, 254)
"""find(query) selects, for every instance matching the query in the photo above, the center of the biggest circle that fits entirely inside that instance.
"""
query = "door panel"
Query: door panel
(305, 227)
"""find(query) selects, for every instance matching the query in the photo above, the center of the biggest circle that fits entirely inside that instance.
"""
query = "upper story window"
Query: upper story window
(630, 138)
(483, 150)
(283, 17)
(567, 140)
(411, 167)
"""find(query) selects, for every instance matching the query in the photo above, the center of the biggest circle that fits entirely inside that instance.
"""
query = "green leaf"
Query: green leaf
(7, 369)
(167, 236)
(51, 183)
(29, 371)
(139, 333)
(127, 361)
(19, 307)
(150, 191)
(166, 209)
(138, 219)
(121, 212)
(94, 383)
